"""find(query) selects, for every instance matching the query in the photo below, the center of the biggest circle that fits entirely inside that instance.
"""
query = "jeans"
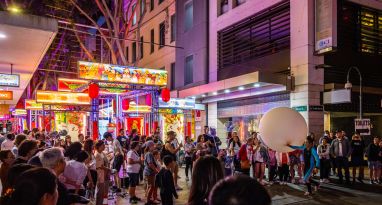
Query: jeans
(188, 165)
(343, 163)
(283, 173)
(324, 168)
(272, 172)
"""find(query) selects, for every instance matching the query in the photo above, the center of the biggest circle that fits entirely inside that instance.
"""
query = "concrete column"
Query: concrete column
(213, 114)
(309, 81)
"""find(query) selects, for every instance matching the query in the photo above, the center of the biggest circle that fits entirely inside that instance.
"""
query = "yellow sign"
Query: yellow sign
(138, 109)
(123, 74)
(54, 97)
(6, 95)
(19, 112)
(32, 105)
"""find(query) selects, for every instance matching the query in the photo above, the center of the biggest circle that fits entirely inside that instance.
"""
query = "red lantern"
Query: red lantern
(165, 95)
(125, 104)
(93, 90)
(148, 99)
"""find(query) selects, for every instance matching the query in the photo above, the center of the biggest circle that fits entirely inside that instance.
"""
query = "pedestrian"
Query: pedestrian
(215, 142)
(207, 172)
(283, 163)
(81, 138)
(201, 146)
(7, 158)
(373, 152)
(118, 158)
(323, 151)
(37, 186)
(103, 172)
(295, 165)
(239, 190)
(170, 150)
(72, 150)
(150, 170)
(245, 156)
(76, 171)
(91, 179)
(164, 180)
(272, 166)
(358, 148)
(340, 149)
(27, 149)
(133, 166)
(260, 159)
(189, 149)
(68, 141)
(312, 163)
(380, 162)
(8, 142)
(326, 135)
(234, 147)
(18, 140)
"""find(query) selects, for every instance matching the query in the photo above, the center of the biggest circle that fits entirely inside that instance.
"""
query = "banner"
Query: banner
(54, 97)
(32, 105)
(76, 85)
(177, 103)
(123, 74)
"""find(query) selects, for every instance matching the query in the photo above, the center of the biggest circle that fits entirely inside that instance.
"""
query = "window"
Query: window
(141, 47)
(222, 7)
(127, 54)
(173, 28)
(160, 1)
(162, 34)
(151, 5)
(236, 3)
(133, 52)
(189, 18)
(134, 14)
(152, 46)
(143, 5)
(188, 70)
(172, 83)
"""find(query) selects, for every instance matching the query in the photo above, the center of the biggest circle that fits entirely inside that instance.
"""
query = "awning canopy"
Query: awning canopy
(23, 43)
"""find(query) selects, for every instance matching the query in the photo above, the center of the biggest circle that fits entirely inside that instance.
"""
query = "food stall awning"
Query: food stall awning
(24, 40)
(254, 83)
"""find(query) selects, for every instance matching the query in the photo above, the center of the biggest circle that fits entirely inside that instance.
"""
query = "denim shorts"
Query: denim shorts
(375, 164)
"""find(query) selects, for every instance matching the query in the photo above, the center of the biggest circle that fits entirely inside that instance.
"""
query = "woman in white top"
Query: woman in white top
(76, 171)
(133, 166)
(91, 179)
(103, 172)
(8, 142)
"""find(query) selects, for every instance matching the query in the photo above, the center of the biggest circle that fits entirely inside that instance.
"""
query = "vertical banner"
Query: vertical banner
(325, 26)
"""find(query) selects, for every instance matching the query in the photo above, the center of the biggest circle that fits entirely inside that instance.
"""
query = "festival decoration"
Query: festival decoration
(165, 95)
(148, 99)
(54, 97)
(93, 90)
(281, 127)
(125, 104)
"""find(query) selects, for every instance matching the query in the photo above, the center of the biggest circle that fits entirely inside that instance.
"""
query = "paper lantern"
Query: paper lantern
(283, 126)
(165, 95)
(125, 104)
(93, 90)
(148, 99)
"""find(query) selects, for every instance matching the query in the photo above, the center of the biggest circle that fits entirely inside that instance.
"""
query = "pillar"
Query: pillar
(309, 81)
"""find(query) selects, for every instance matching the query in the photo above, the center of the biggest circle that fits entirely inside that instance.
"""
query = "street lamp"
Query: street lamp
(348, 85)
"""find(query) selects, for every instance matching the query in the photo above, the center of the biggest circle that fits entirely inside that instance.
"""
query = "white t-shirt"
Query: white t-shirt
(75, 171)
(7, 145)
(133, 168)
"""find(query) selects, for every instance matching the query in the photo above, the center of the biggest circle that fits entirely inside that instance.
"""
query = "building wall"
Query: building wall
(161, 57)
(193, 42)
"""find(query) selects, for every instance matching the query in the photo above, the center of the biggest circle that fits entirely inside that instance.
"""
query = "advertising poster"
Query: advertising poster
(174, 122)
(72, 122)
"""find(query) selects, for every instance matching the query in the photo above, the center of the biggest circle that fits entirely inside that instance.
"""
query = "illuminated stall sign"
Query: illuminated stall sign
(6, 95)
(10, 80)
(19, 112)
(170, 111)
(123, 74)
(32, 105)
(76, 85)
(54, 97)
(138, 109)
(177, 103)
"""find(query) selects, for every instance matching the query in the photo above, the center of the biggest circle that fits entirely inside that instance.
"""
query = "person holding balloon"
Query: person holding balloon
(311, 161)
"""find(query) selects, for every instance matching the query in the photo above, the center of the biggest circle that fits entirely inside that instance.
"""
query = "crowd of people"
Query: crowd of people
(39, 168)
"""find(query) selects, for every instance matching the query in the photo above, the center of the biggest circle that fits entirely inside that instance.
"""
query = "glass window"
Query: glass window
(188, 74)
(173, 28)
(143, 5)
(189, 18)
(162, 34)
(160, 1)
(172, 83)
(127, 54)
(134, 14)
(141, 47)
(152, 46)
(151, 5)
(133, 52)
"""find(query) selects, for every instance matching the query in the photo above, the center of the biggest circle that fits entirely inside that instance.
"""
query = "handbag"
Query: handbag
(245, 164)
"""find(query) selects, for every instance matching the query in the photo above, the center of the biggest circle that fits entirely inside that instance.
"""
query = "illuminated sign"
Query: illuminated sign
(177, 103)
(76, 85)
(124, 74)
(6, 95)
(10, 80)
(170, 111)
(138, 109)
(32, 105)
(19, 112)
(54, 97)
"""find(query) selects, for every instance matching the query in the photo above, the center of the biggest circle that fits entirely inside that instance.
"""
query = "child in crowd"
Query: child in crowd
(165, 182)
(283, 163)
(272, 165)
(295, 165)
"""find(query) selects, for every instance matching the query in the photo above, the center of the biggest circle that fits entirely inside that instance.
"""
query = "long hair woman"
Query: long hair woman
(207, 172)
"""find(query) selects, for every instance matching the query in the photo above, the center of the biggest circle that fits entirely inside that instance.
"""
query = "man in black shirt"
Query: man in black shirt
(123, 140)
(358, 146)
(372, 153)
(164, 180)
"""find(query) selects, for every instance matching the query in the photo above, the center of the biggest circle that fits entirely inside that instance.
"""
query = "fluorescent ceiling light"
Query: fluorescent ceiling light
(2, 35)
(256, 85)
(241, 88)
(215, 93)
(227, 91)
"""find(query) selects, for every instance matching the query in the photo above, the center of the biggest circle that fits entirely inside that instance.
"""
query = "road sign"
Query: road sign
(362, 126)
(303, 108)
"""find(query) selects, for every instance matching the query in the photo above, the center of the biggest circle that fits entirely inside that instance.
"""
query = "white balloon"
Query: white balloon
(283, 126)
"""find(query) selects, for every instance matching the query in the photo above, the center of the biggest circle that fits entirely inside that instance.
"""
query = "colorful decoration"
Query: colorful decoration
(6, 95)
(135, 123)
(174, 122)
(165, 95)
(77, 85)
(138, 109)
(125, 104)
(93, 90)
(54, 97)
(32, 105)
(124, 74)
(178, 103)
(19, 112)
(148, 99)
(72, 122)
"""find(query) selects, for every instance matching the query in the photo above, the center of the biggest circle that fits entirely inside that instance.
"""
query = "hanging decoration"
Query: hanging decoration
(148, 99)
(125, 104)
(93, 90)
(165, 95)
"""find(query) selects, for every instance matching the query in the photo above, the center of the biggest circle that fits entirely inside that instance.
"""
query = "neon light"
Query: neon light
(32, 105)
(54, 97)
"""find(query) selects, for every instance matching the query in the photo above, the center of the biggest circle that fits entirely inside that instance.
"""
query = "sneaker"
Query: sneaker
(372, 182)
(321, 181)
